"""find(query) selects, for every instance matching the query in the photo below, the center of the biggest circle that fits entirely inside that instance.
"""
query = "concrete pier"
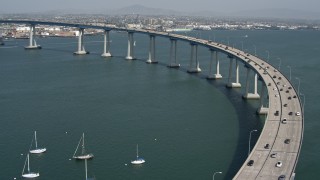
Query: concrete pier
(32, 42)
(106, 44)
(130, 54)
(152, 49)
(81, 50)
(255, 94)
(173, 54)
(194, 54)
(237, 83)
(214, 54)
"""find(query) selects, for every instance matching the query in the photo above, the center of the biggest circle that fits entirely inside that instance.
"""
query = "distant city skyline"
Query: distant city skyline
(18, 6)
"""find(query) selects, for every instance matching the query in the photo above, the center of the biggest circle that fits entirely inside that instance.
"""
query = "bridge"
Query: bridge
(275, 154)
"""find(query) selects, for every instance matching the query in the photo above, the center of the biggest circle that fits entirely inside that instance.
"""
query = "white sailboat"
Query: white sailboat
(138, 160)
(37, 150)
(83, 154)
(29, 174)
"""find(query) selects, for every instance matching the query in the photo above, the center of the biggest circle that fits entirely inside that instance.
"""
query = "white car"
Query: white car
(297, 113)
(279, 164)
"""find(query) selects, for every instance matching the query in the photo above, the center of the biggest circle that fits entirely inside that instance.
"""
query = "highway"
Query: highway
(284, 137)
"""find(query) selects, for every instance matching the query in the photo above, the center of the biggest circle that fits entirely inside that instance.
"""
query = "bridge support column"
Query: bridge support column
(214, 53)
(262, 110)
(194, 53)
(152, 50)
(255, 94)
(237, 83)
(106, 44)
(32, 42)
(173, 54)
(130, 55)
(81, 50)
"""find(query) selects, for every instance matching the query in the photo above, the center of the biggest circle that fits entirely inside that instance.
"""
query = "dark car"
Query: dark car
(287, 91)
(290, 87)
(273, 155)
(290, 113)
(287, 141)
(294, 96)
(267, 146)
(285, 105)
(274, 76)
(279, 78)
(277, 113)
(269, 84)
(281, 89)
(289, 97)
(250, 163)
(284, 121)
(282, 177)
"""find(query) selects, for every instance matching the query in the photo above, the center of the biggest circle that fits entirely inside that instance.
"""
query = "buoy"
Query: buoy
(21, 154)
(125, 164)
(69, 159)
(155, 139)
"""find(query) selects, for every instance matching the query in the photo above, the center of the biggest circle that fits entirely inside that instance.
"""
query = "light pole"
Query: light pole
(250, 139)
(255, 50)
(298, 85)
(304, 101)
(215, 174)
(290, 72)
(279, 63)
(268, 55)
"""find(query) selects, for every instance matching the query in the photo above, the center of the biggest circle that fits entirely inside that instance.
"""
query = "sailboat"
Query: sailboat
(37, 150)
(83, 152)
(29, 174)
(138, 160)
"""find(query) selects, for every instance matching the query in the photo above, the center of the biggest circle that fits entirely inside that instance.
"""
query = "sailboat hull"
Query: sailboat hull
(31, 175)
(38, 151)
(138, 161)
(82, 157)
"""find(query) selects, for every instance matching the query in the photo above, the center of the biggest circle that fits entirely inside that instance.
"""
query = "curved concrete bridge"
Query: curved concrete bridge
(282, 134)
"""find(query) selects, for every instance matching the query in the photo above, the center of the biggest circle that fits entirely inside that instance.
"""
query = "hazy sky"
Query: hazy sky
(7, 6)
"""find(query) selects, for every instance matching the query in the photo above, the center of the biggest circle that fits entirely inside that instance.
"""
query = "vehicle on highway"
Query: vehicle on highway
(287, 91)
(297, 113)
(287, 141)
(267, 146)
(279, 164)
(290, 113)
(285, 105)
(269, 84)
(274, 76)
(294, 96)
(277, 113)
(284, 121)
(289, 97)
(273, 155)
(250, 163)
(290, 87)
(282, 177)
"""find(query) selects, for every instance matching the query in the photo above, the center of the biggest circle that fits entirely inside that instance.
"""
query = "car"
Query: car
(285, 105)
(289, 97)
(290, 113)
(248, 54)
(279, 78)
(287, 141)
(265, 72)
(281, 89)
(282, 177)
(275, 70)
(250, 163)
(290, 87)
(287, 91)
(273, 155)
(278, 83)
(274, 76)
(284, 121)
(269, 84)
(294, 96)
(276, 113)
(277, 95)
(262, 63)
(279, 164)
(267, 146)
(298, 114)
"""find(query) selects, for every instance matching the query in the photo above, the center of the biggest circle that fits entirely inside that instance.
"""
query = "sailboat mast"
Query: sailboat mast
(137, 152)
(85, 161)
(35, 137)
(83, 151)
(28, 165)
